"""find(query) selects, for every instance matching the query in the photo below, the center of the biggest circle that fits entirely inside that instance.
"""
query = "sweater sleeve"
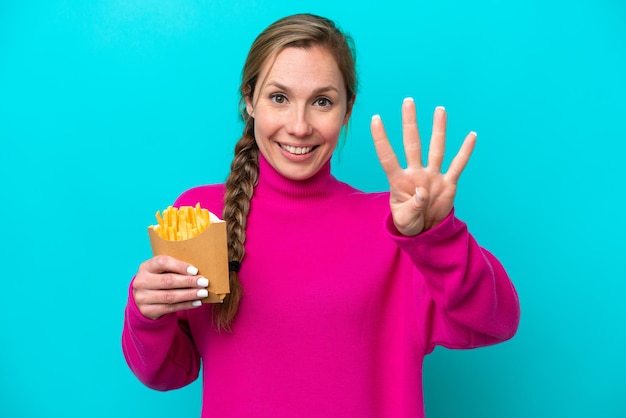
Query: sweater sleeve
(159, 352)
(471, 301)
(162, 353)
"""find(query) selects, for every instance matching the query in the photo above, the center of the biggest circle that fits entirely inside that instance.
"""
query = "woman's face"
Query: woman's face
(299, 107)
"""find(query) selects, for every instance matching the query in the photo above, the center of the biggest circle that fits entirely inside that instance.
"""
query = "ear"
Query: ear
(346, 118)
(248, 99)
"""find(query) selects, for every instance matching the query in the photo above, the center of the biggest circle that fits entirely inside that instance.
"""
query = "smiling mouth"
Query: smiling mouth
(297, 150)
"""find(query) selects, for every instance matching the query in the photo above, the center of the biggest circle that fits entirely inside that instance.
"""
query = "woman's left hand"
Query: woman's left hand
(420, 196)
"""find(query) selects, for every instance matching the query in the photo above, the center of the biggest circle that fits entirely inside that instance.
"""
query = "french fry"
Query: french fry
(185, 222)
(159, 219)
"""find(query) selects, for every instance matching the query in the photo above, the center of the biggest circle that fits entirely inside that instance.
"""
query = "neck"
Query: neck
(274, 186)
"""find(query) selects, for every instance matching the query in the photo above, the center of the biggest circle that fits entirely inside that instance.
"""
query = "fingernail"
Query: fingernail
(191, 270)
(408, 99)
(196, 303)
(203, 293)
(375, 117)
(203, 282)
(475, 134)
(441, 107)
(419, 195)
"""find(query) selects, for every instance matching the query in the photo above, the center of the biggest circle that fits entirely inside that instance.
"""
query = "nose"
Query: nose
(299, 124)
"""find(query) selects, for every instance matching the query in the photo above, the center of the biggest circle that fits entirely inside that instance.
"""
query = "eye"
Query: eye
(323, 102)
(278, 98)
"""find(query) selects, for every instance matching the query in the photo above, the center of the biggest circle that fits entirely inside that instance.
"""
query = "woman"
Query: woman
(336, 295)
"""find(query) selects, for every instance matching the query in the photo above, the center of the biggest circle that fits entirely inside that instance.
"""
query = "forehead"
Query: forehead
(303, 67)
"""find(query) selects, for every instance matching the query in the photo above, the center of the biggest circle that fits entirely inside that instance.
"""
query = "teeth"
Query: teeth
(296, 150)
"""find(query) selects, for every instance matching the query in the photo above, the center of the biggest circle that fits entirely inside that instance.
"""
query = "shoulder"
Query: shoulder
(363, 203)
(210, 197)
(370, 199)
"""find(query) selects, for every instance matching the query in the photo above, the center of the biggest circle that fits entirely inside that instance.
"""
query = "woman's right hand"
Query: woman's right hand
(164, 285)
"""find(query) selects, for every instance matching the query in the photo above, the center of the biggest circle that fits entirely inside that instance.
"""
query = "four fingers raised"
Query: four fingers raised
(412, 143)
(420, 196)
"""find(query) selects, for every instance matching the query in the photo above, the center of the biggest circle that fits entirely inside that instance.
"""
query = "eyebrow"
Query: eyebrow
(319, 90)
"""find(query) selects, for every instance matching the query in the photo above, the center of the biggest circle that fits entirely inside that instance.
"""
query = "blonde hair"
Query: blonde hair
(297, 31)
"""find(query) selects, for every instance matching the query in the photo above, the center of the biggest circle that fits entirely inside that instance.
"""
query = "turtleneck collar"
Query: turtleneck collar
(275, 187)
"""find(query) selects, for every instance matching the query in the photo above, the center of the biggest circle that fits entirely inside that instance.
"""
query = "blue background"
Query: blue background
(110, 109)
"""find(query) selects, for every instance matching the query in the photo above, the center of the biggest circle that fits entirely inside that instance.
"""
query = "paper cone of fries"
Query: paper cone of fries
(205, 247)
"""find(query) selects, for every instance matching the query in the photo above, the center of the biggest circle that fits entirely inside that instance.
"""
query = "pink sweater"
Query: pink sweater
(338, 310)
